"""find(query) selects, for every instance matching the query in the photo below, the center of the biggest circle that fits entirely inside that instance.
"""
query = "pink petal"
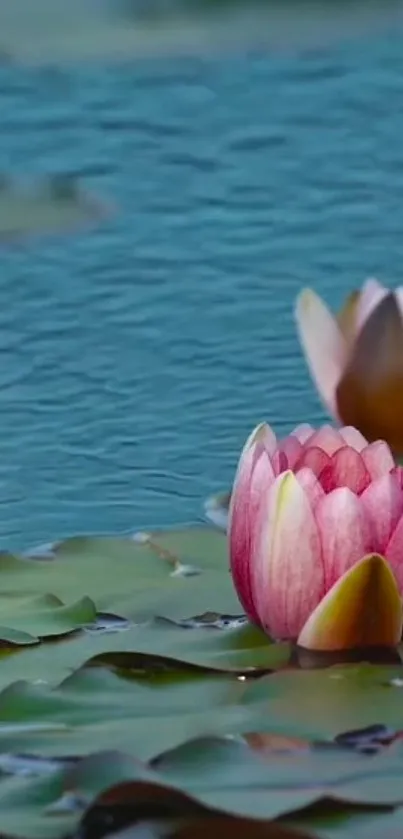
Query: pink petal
(279, 462)
(378, 459)
(345, 532)
(292, 448)
(323, 344)
(383, 503)
(254, 474)
(394, 553)
(398, 472)
(303, 432)
(346, 469)
(327, 438)
(353, 437)
(311, 486)
(262, 434)
(313, 458)
(371, 295)
(288, 579)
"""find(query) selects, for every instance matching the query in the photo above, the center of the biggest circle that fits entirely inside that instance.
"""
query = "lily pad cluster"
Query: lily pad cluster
(137, 700)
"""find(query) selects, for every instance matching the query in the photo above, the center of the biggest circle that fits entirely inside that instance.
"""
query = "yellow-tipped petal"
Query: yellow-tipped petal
(363, 609)
(347, 316)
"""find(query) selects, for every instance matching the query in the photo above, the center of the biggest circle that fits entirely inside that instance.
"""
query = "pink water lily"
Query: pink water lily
(315, 534)
(356, 358)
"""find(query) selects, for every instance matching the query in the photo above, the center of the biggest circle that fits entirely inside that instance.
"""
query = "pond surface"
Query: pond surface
(136, 357)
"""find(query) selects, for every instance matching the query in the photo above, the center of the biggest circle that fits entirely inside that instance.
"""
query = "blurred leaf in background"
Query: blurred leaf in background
(51, 30)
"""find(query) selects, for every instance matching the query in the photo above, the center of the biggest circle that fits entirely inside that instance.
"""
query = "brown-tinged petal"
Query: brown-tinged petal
(370, 392)
(371, 295)
(347, 316)
(363, 609)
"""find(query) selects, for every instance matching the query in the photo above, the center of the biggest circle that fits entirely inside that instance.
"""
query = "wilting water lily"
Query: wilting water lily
(356, 358)
(316, 537)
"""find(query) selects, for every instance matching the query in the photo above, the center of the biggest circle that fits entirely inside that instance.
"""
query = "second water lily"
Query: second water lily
(316, 537)
(356, 358)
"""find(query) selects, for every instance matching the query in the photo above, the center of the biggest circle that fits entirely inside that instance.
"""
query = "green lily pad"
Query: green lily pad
(150, 648)
(51, 30)
(49, 206)
(173, 575)
(24, 804)
(27, 619)
(98, 709)
(332, 700)
(123, 651)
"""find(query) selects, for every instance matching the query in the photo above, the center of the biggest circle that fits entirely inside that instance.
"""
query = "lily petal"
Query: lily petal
(262, 433)
(254, 475)
(288, 577)
(292, 448)
(394, 552)
(383, 504)
(372, 293)
(323, 343)
(345, 532)
(347, 316)
(303, 432)
(346, 469)
(311, 486)
(363, 609)
(327, 438)
(313, 458)
(370, 391)
(378, 459)
(352, 437)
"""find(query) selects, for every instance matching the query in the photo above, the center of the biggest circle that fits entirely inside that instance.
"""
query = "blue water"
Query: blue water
(136, 357)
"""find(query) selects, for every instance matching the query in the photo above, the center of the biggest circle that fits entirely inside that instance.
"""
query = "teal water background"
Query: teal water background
(135, 358)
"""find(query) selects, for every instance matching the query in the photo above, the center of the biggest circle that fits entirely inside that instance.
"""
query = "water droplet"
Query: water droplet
(241, 678)
(46, 551)
(366, 740)
(141, 536)
(105, 622)
(185, 571)
(26, 765)
(69, 802)
(210, 620)
(216, 509)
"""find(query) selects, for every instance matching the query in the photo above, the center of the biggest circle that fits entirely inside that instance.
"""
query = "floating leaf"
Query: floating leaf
(27, 619)
(50, 30)
(47, 207)
(97, 709)
(240, 651)
(322, 704)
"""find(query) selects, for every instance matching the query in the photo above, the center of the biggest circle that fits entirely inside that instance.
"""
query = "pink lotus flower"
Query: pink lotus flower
(356, 359)
(315, 535)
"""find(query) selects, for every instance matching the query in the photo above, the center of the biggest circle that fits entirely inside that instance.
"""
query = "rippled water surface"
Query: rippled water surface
(135, 358)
